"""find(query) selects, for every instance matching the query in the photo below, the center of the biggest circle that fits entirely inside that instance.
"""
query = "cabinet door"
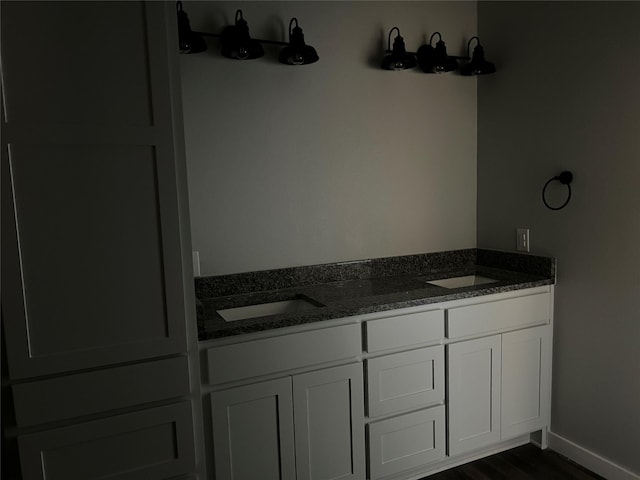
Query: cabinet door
(525, 381)
(329, 423)
(405, 380)
(253, 432)
(153, 444)
(92, 271)
(474, 394)
(408, 441)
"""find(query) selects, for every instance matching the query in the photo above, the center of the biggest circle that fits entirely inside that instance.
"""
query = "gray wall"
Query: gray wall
(334, 161)
(567, 96)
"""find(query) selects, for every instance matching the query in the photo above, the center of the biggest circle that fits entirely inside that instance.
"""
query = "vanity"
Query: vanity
(445, 360)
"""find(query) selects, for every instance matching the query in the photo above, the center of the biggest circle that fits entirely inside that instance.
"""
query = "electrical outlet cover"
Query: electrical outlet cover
(522, 239)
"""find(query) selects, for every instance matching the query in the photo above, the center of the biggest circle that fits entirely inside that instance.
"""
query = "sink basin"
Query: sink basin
(264, 309)
(465, 281)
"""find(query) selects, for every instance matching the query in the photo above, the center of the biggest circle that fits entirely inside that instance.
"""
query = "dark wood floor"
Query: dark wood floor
(522, 463)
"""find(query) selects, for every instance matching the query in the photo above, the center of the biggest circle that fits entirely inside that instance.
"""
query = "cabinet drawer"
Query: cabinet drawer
(150, 445)
(405, 380)
(407, 441)
(405, 330)
(499, 315)
(278, 354)
(87, 393)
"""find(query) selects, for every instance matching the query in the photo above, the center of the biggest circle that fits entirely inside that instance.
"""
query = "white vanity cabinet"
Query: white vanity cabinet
(443, 384)
(307, 425)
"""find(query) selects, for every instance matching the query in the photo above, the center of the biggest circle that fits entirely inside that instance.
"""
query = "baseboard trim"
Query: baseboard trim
(589, 459)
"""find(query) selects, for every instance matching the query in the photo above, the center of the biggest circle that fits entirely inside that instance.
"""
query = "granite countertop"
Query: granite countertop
(355, 288)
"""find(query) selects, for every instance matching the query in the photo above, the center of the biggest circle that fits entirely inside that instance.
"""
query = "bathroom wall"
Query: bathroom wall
(566, 98)
(334, 161)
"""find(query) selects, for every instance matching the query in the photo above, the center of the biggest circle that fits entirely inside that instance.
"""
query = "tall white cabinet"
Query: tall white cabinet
(94, 242)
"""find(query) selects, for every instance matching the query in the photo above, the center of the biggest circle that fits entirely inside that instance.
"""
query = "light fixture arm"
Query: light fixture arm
(469, 44)
(433, 35)
(293, 19)
(440, 40)
(389, 38)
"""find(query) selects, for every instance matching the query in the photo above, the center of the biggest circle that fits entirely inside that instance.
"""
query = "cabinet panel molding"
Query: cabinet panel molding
(329, 424)
(407, 441)
(525, 381)
(406, 380)
(253, 432)
(474, 394)
(405, 330)
(499, 315)
(90, 230)
(287, 352)
(150, 445)
(88, 393)
(54, 89)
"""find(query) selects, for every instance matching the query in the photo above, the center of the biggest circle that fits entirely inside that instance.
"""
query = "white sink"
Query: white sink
(264, 309)
(466, 281)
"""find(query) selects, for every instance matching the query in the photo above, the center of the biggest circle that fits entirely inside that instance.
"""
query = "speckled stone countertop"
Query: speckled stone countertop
(355, 288)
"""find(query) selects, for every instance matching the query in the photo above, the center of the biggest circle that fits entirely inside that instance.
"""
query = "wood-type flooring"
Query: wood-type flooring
(521, 463)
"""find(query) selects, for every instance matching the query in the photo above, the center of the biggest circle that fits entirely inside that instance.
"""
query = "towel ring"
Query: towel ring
(564, 178)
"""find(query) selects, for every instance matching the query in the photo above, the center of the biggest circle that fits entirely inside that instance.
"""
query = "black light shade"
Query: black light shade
(297, 52)
(189, 41)
(478, 65)
(237, 43)
(398, 59)
(435, 59)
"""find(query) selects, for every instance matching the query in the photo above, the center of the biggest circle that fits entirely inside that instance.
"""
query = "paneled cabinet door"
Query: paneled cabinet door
(474, 394)
(405, 380)
(329, 423)
(153, 444)
(525, 381)
(91, 247)
(253, 432)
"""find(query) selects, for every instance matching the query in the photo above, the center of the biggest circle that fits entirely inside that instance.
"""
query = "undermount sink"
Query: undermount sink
(465, 281)
(294, 305)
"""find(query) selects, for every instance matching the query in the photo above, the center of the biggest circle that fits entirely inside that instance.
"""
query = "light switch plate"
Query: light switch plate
(522, 239)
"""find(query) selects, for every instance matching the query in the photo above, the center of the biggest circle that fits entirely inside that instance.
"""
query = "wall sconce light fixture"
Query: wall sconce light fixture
(435, 59)
(297, 52)
(238, 44)
(478, 65)
(189, 41)
(398, 58)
